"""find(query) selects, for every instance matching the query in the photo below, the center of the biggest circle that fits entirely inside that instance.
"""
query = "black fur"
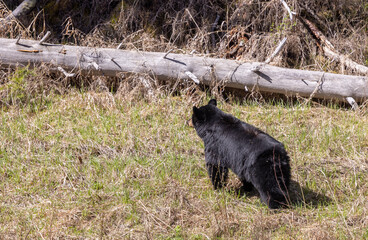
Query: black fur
(255, 157)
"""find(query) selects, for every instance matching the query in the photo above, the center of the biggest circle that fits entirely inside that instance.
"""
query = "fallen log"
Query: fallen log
(112, 62)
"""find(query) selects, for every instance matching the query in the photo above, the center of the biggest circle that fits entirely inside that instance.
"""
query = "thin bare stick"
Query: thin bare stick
(317, 88)
(95, 65)
(288, 9)
(65, 72)
(353, 103)
(47, 35)
(278, 49)
(118, 47)
(168, 52)
(213, 28)
(199, 29)
(192, 76)
(17, 42)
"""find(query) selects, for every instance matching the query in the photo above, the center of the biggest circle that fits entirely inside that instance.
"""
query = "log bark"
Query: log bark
(112, 62)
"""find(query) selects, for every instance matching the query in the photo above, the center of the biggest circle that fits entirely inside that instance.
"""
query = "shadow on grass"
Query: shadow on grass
(299, 196)
(303, 196)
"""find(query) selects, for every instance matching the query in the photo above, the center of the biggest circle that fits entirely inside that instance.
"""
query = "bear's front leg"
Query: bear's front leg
(217, 174)
(247, 186)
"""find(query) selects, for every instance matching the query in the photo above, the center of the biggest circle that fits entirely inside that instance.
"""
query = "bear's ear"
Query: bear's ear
(212, 102)
(199, 114)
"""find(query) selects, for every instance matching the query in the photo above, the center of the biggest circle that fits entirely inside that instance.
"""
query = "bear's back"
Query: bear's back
(233, 137)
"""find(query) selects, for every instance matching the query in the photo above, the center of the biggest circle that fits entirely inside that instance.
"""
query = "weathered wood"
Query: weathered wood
(24, 8)
(330, 51)
(111, 62)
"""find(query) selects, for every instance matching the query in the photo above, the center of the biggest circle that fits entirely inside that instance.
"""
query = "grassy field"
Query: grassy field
(96, 165)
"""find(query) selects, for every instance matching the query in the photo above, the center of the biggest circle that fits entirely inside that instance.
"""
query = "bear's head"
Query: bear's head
(204, 113)
(204, 116)
(209, 117)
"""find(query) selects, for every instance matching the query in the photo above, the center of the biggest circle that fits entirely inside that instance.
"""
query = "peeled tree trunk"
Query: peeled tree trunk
(25, 7)
(247, 76)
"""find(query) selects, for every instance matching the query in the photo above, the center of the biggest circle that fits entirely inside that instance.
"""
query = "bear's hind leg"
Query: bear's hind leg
(272, 191)
(217, 174)
(271, 177)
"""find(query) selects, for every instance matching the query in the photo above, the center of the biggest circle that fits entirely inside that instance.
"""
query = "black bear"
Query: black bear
(258, 159)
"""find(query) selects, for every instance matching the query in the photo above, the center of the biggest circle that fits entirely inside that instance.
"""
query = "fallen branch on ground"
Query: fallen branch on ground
(329, 49)
(113, 62)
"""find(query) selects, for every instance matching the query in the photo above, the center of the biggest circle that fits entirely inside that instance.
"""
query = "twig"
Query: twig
(118, 47)
(192, 76)
(113, 60)
(278, 49)
(283, 41)
(317, 88)
(65, 72)
(168, 52)
(29, 51)
(17, 42)
(193, 19)
(117, 64)
(288, 9)
(47, 35)
(95, 65)
(353, 103)
(213, 28)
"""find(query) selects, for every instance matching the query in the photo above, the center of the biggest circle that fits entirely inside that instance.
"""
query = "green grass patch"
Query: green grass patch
(94, 165)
